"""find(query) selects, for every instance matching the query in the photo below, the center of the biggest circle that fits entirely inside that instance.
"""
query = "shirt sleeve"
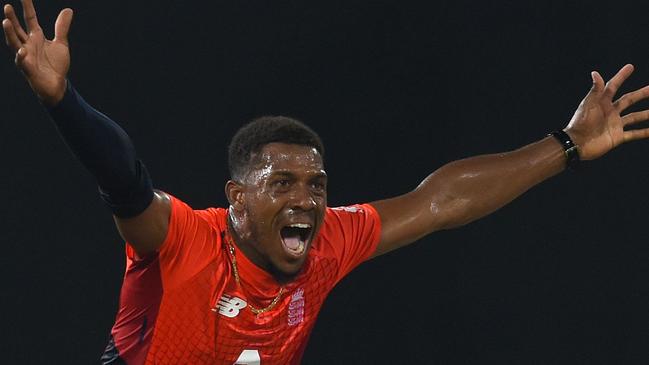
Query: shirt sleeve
(352, 232)
(190, 245)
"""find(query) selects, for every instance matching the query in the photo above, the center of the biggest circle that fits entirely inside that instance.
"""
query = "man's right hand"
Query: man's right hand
(44, 63)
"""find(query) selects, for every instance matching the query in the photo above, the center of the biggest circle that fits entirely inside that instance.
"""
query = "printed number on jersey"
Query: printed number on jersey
(248, 357)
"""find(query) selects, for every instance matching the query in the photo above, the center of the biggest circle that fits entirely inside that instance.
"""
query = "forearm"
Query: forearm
(465, 190)
(105, 149)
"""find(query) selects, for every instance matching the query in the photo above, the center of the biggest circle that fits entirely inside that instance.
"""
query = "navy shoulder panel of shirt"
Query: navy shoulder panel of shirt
(139, 304)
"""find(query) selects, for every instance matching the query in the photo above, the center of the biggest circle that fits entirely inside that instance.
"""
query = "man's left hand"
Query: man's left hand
(598, 126)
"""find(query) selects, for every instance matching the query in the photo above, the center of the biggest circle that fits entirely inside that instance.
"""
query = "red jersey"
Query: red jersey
(182, 305)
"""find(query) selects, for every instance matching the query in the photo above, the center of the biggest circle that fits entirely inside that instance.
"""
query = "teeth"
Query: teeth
(300, 225)
(300, 249)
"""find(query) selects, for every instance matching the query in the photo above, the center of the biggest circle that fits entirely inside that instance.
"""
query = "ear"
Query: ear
(235, 194)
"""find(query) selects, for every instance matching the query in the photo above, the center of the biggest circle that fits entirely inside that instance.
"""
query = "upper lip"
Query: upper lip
(299, 219)
(309, 225)
(302, 221)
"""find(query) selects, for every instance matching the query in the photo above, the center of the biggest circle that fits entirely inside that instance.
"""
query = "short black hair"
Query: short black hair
(252, 137)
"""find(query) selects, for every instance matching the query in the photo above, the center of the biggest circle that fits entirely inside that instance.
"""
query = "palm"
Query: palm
(44, 63)
(598, 126)
(47, 62)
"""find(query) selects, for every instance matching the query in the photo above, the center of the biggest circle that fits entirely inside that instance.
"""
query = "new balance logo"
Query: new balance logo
(229, 306)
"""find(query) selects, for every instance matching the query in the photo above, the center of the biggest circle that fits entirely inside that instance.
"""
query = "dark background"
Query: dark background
(396, 89)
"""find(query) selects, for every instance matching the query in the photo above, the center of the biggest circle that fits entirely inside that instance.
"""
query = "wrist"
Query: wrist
(53, 99)
(575, 136)
(570, 148)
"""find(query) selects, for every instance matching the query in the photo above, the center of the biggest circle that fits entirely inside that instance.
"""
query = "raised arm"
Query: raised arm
(102, 146)
(465, 190)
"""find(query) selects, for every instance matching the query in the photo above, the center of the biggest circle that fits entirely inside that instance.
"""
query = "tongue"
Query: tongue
(292, 242)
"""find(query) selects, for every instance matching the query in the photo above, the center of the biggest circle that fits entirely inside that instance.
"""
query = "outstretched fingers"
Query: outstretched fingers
(636, 134)
(631, 98)
(10, 35)
(613, 85)
(598, 82)
(10, 14)
(29, 13)
(634, 118)
(62, 26)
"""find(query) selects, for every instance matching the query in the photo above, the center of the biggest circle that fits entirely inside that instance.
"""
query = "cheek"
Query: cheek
(321, 201)
(262, 210)
(265, 197)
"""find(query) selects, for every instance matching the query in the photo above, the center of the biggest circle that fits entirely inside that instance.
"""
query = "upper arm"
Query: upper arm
(404, 219)
(147, 231)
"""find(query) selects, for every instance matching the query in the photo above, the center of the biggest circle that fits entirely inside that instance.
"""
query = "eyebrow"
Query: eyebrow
(319, 174)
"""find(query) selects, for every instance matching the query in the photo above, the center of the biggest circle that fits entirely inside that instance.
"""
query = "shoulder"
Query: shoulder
(214, 217)
(344, 215)
(344, 222)
(348, 236)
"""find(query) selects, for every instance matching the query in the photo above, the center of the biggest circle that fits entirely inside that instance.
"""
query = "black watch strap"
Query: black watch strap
(569, 148)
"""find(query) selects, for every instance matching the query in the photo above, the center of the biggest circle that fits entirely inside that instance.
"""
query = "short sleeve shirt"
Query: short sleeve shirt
(182, 305)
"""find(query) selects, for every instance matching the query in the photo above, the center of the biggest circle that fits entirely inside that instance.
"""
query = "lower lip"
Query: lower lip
(295, 254)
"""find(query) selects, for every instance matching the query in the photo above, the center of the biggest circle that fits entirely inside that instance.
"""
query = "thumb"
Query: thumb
(20, 60)
(598, 82)
(62, 26)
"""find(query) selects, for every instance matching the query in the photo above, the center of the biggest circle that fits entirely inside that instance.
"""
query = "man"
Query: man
(245, 284)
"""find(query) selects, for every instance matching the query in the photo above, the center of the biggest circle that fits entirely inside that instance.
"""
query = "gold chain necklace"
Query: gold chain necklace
(254, 310)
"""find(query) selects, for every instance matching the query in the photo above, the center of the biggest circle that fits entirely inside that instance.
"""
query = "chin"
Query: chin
(288, 262)
(287, 271)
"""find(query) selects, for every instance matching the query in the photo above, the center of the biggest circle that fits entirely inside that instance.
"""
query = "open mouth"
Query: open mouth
(295, 237)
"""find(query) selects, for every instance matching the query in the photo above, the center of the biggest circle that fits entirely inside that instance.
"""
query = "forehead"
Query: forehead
(288, 157)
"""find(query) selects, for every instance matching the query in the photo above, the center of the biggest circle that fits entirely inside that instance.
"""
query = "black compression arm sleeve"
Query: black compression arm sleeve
(105, 149)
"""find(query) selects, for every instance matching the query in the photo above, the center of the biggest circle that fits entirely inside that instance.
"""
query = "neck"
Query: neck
(245, 244)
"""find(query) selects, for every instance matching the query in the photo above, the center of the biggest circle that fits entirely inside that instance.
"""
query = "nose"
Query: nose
(302, 199)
